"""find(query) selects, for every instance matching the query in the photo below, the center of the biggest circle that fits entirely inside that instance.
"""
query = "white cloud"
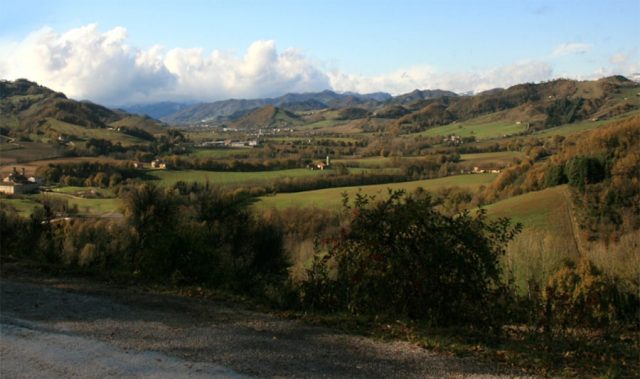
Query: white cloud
(427, 77)
(85, 63)
(572, 48)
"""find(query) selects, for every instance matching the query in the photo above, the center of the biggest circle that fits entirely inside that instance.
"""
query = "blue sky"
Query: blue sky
(343, 45)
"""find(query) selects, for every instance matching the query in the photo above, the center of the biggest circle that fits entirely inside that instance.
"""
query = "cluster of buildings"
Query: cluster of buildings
(478, 170)
(229, 143)
(18, 183)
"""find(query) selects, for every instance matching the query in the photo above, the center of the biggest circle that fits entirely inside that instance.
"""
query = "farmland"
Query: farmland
(169, 178)
(544, 210)
(332, 198)
(480, 129)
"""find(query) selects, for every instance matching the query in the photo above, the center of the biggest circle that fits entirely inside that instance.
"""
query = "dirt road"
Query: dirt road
(60, 328)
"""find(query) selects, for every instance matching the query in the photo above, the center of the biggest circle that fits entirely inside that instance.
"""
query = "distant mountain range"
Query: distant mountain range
(232, 109)
(33, 111)
(157, 110)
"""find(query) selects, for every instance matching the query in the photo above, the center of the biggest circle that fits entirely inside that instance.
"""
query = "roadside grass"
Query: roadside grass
(331, 198)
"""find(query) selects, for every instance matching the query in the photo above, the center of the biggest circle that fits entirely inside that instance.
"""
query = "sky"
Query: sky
(118, 52)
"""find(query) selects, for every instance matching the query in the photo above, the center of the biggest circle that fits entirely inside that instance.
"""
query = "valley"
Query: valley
(242, 196)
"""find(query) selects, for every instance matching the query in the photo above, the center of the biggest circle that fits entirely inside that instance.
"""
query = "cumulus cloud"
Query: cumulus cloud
(572, 48)
(85, 63)
(424, 77)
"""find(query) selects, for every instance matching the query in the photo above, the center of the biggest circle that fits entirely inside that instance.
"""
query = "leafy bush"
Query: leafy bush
(583, 296)
(401, 256)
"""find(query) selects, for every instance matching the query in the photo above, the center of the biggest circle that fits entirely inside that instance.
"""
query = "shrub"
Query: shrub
(401, 256)
(581, 295)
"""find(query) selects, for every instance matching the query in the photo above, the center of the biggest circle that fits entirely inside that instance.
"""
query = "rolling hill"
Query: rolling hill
(267, 117)
(234, 108)
(31, 112)
(538, 106)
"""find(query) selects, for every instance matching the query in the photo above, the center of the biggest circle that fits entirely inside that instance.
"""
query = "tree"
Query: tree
(583, 170)
(152, 214)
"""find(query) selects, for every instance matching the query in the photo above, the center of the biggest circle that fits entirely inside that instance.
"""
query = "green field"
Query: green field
(313, 140)
(28, 151)
(547, 238)
(169, 178)
(86, 207)
(24, 207)
(479, 130)
(89, 207)
(499, 157)
(565, 130)
(332, 197)
(86, 133)
(321, 124)
(368, 162)
(544, 210)
(85, 191)
(219, 153)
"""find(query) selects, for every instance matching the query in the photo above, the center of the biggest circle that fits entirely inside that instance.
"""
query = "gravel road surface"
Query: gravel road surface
(62, 328)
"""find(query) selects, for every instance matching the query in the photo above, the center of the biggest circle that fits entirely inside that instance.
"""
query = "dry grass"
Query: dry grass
(621, 259)
(536, 254)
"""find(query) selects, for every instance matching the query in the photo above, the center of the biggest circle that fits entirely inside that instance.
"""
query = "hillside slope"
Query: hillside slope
(538, 106)
(267, 117)
(29, 111)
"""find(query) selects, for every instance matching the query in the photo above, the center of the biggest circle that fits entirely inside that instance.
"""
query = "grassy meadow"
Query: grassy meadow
(548, 236)
(331, 198)
(98, 133)
(168, 177)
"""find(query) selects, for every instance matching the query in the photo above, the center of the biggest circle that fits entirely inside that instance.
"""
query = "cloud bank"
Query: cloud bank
(86, 63)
